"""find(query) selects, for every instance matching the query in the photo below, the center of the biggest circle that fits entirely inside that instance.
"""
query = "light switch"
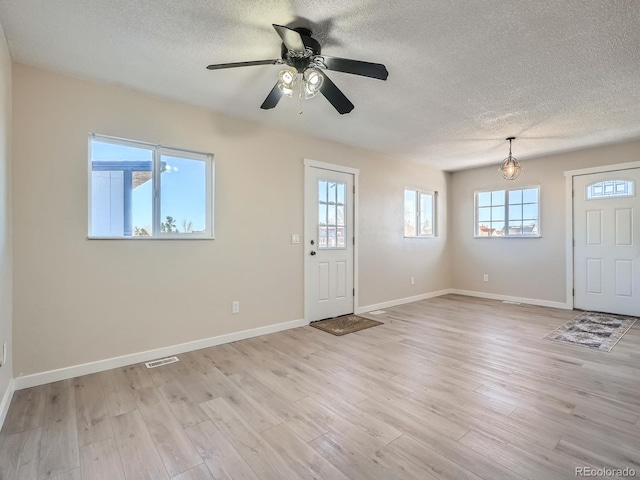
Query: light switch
(295, 238)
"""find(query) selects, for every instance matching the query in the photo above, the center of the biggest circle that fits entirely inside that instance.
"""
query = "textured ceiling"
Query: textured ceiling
(463, 75)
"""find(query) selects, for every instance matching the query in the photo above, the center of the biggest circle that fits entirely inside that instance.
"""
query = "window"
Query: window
(138, 190)
(508, 213)
(610, 188)
(419, 213)
(331, 214)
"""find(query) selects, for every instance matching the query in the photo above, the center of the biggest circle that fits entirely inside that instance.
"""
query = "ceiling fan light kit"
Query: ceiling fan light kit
(305, 66)
(510, 167)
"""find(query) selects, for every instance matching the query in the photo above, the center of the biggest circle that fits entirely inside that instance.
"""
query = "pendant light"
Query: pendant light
(510, 167)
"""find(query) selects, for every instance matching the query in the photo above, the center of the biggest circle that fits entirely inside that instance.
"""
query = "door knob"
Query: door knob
(312, 253)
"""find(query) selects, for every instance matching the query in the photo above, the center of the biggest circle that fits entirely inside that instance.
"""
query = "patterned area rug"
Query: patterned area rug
(594, 330)
(345, 324)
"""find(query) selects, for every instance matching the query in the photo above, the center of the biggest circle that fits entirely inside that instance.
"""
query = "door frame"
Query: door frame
(569, 174)
(308, 163)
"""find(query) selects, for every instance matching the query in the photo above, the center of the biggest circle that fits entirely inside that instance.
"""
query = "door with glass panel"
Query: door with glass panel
(328, 243)
(606, 257)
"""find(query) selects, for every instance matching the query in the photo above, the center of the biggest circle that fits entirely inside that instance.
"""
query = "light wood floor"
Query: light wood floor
(453, 387)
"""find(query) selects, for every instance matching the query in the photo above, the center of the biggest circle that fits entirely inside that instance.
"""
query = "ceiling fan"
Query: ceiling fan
(305, 67)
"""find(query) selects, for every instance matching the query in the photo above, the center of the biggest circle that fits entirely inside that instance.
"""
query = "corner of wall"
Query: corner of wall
(6, 250)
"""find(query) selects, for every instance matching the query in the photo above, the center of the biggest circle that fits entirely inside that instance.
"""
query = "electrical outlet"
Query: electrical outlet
(485, 278)
(235, 307)
(413, 280)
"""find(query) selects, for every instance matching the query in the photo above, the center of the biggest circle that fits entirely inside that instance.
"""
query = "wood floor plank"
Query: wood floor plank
(453, 450)
(140, 459)
(264, 461)
(171, 441)
(593, 451)
(339, 412)
(201, 472)
(431, 461)
(30, 457)
(92, 414)
(183, 407)
(301, 457)
(119, 394)
(221, 458)
(11, 448)
(350, 462)
(26, 410)
(528, 465)
(298, 420)
(59, 443)
(101, 461)
(74, 474)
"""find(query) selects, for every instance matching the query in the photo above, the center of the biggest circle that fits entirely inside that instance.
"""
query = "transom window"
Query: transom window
(332, 214)
(419, 213)
(508, 213)
(610, 188)
(138, 190)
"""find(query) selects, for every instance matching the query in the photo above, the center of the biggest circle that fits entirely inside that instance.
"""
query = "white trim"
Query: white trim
(307, 162)
(509, 298)
(115, 362)
(6, 401)
(602, 169)
(569, 174)
(568, 235)
(402, 301)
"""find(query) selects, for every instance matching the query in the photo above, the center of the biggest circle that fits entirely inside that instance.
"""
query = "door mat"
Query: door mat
(594, 330)
(345, 324)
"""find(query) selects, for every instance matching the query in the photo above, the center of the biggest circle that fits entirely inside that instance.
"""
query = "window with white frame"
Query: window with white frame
(139, 190)
(419, 213)
(508, 213)
(610, 189)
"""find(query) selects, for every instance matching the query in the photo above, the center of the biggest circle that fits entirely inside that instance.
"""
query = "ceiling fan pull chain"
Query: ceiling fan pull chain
(300, 96)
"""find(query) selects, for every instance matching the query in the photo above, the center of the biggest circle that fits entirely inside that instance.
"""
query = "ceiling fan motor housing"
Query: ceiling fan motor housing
(300, 61)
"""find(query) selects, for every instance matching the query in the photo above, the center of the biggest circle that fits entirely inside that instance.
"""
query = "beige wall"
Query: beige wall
(5, 215)
(79, 300)
(521, 267)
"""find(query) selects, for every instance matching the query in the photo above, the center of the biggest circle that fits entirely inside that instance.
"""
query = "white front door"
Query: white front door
(606, 213)
(328, 243)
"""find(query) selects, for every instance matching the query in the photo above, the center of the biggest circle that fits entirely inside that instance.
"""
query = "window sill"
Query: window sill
(136, 239)
(475, 237)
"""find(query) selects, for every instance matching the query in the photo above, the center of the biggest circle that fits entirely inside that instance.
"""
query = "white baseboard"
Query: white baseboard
(6, 401)
(528, 301)
(401, 301)
(116, 362)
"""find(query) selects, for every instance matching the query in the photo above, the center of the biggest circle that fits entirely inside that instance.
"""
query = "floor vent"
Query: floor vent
(376, 312)
(509, 302)
(162, 361)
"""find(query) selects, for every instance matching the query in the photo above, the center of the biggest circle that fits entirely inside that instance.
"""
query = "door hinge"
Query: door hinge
(354, 189)
(354, 292)
(354, 240)
(573, 292)
(573, 242)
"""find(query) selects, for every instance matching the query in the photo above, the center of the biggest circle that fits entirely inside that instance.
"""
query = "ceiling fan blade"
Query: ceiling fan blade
(335, 96)
(272, 99)
(291, 39)
(356, 67)
(219, 66)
